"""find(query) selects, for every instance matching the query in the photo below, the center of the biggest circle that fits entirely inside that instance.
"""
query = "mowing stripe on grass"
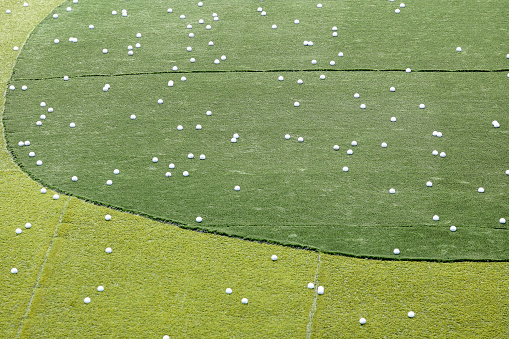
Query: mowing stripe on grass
(36, 286)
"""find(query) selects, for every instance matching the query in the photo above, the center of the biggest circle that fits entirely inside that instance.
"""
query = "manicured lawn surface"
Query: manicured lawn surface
(161, 279)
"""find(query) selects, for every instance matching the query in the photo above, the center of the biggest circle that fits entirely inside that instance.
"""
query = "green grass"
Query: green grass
(450, 300)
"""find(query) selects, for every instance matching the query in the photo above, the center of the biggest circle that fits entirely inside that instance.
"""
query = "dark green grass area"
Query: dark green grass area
(423, 36)
(284, 183)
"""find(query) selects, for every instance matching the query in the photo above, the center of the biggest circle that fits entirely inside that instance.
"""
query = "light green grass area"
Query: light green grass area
(161, 279)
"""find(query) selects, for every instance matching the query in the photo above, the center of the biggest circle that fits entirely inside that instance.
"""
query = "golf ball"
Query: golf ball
(340, 54)
(91, 26)
(422, 106)
(171, 166)
(393, 119)
(319, 5)
(480, 190)
(411, 314)
(107, 217)
(495, 124)
(287, 136)
(168, 174)
(180, 127)
(155, 159)
(108, 250)
(345, 169)
(87, 300)
(170, 83)
(458, 49)
(397, 11)
(439, 134)
(296, 104)
(138, 45)
(296, 21)
(31, 154)
(12, 88)
(300, 139)
(280, 78)
(43, 190)
(384, 144)
(211, 43)
(199, 219)
(274, 26)
(185, 173)
(336, 147)
(38, 123)
(332, 63)
(396, 251)
(274, 257)
(28, 225)
(16, 48)
(202, 156)
(453, 228)
(392, 89)
(313, 62)
(133, 117)
(233, 140)
(50, 109)
(208, 27)
(24, 88)
(408, 70)
(105, 51)
(14, 270)
(362, 321)
(21, 143)
(190, 156)
(311, 285)
(109, 182)
(116, 171)
(435, 152)
(442, 154)
(429, 184)
(320, 290)
(9, 12)
(349, 152)
(392, 191)
(228, 291)
(27, 143)
(100, 288)
(502, 221)
(334, 34)
(507, 172)
(402, 5)
(74, 178)
(183, 78)
(244, 300)
(160, 101)
(42, 104)
(354, 143)
(26, 4)
(322, 76)
(217, 61)
(356, 95)
(436, 217)
(223, 57)
(263, 13)
(130, 53)
(237, 188)
(72, 125)
(300, 82)
(18, 230)
(56, 197)
(39, 163)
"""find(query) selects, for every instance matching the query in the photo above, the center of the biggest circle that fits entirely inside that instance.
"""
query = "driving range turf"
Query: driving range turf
(161, 279)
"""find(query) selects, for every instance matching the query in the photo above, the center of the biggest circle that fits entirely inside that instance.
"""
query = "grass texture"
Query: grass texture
(164, 280)
(285, 185)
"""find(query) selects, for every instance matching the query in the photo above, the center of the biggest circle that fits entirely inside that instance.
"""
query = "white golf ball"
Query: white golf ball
(345, 169)
(322, 76)
(244, 300)
(182, 16)
(168, 174)
(237, 188)
(408, 70)
(208, 113)
(480, 190)
(16, 48)
(199, 219)
(18, 231)
(21, 143)
(392, 89)
(27, 143)
(171, 166)
(396, 251)
(28, 225)
(113, 12)
(332, 63)
(349, 152)
(108, 250)
(233, 140)
(259, 9)
(87, 300)
(435, 152)
(43, 190)
(208, 27)
(175, 68)
(453, 228)
(109, 182)
(166, 337)
(190, 156)
(12, 87)
(223, 57)
(180, 127)
(300, 139)
(42, 104)
(354, 143)
(130, 53)
(422, 106)
(436, 217)
(100, 288)
(236, 135)
(170, 10)
(229, 291)
(155, 159)
(160, 101)
(185, 173)
(189, 48)
(280, 78)
(442, 154)
(507, 172)
(74, 178)
(116, 171)
(274, 257)
(300, 82)
(263, 13)
(362, 321)
(320, 290)
(411, 314)
(296, 21)
(202, 156)
(336, 147)
(105, 50)
(183, 78)
(384, 144)
(50, 109)
(198, 127)
(334, 34)
(458, 49)
(91, 26)
(170, 83)
(392, 191)
(287, 136)
(9, 12)
(39, 163)
(340, 54)
(211, 43)
(38, 123)
(439, 134)
(107, 217)
(216, 61)
(24, 88)
(31, 154)
(397, 11)
(14, 270)
(133, 117)
(313, 62)
(319, 5)
(138, 45)
(502, 221)
(311, 285)
(56, 197)
(356, 95)
(138, 35)
(429, 184)
(72, 125)
(274, 26)
(296, 104)
(393, 119)
(495, 124)
(25, 4)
